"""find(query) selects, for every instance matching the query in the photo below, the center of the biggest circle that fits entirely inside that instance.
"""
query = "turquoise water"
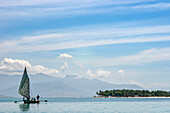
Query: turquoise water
(88, 105)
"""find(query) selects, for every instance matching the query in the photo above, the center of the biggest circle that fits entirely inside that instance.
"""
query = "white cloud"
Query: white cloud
(11, 65)
(90, 74)
(155, 6)
(64, 55)
(67, 2)
(147, 56)
(122, 72)
(103, 73)
(16, 66)
(143, 57)
(99, 74)
(83, 37)
(64, 66)
(61, 8)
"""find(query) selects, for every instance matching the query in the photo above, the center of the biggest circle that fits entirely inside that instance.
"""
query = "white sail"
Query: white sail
(24, 88)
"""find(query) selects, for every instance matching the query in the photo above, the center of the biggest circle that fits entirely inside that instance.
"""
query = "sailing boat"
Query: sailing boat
(24, 89)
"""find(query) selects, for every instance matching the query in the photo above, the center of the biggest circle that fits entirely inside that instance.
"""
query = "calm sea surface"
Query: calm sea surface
(88, 105)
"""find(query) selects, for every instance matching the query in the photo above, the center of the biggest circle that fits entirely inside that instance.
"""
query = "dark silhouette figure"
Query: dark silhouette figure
(38, 97)
(28, 99)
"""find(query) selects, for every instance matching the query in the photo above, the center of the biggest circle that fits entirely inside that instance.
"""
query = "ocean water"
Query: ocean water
(88, 105)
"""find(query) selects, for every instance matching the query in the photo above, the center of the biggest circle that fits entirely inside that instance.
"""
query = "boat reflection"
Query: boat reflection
(24, 107)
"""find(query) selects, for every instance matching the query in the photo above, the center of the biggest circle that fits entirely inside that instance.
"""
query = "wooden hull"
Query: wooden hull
(31, 102)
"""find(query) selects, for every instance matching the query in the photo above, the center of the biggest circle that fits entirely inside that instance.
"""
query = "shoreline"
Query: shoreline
(134, 97)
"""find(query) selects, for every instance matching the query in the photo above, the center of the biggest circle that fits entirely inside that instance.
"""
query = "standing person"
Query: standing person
(38, 97)
(28, 99)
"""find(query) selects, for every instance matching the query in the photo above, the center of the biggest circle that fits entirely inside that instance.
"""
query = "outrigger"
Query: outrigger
(24, 90)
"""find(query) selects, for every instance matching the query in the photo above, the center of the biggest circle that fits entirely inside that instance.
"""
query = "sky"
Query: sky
(120, 42)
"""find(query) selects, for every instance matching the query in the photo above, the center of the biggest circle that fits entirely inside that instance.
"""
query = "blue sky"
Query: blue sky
(125, 41)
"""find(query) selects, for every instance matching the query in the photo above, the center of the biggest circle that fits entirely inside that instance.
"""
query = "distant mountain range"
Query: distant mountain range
(48, 86)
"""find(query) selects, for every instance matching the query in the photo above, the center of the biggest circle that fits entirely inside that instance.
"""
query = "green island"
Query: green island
(131, 93)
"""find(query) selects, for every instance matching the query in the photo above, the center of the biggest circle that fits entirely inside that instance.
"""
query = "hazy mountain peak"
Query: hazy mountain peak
(49, 86)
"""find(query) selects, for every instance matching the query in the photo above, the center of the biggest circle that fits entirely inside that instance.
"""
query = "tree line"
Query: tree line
(132, 93)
